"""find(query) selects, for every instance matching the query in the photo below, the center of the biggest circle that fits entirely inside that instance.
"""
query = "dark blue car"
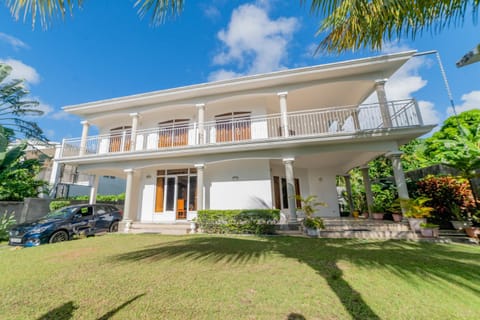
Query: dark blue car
(63, 224)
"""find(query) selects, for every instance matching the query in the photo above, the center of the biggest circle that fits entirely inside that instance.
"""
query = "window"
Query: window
(85, 211)
(173, 133)
(280, 192)
(233, 126)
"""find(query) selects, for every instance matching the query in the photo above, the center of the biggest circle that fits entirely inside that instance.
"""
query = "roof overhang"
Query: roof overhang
(378, 67)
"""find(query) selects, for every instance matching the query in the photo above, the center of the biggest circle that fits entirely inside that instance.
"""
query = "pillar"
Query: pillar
(399, 176)
(93, 190)
(126, 222)
(283, 113)
(200, 172)
(83, 141)
(383, 103)
(292, 203)
(133, 137)
(368, 190)
(348, 186)
(201, 121)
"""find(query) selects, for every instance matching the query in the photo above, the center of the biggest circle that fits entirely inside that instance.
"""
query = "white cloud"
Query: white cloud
(253, 42)
(14, 42)
(22, 71)
(429, 114)
(50, 133)
(223, 74)
(60, 115)
(212, 12)
(470, 101)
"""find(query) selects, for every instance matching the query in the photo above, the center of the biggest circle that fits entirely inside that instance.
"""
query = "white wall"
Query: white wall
(252, 190)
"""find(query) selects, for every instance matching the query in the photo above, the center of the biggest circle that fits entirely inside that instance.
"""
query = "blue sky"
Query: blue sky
(105, 50)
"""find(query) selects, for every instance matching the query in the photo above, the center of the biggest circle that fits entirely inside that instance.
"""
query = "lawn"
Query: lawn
(243, 277)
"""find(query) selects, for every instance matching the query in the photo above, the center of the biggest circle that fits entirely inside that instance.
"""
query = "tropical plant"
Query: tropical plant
(354, 24)
(416, 208)
(6, 221)
(426, 225)
(13, 106)
(18, 175)
(309, 204)
(313, 223)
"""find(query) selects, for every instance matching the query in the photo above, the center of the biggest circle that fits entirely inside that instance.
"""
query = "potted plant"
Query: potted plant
(396, 210)
(377, 211)
(459, 219)
(473, 231)
(429, 230)
(416, 211)
(311, 224)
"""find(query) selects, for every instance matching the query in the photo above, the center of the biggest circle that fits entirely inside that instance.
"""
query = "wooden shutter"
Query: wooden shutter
(297, 192)
(159, 194)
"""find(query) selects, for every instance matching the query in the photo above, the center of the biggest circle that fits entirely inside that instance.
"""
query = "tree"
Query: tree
(17, 175)
(354, 24)
(13, 106)
(46, 10)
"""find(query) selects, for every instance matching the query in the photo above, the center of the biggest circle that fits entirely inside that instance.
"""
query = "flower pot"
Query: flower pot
(429, 232)
(312, 232)
(355, 214)
(472, 232)
(415, 223)
(397, 217)
(377, 216)
(459, 225)
(193, 227)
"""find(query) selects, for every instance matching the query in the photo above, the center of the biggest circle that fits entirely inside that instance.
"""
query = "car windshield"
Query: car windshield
(62, 213)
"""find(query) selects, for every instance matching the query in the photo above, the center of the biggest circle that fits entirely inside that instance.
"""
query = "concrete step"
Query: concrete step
(369, 234)
(367, 227)
(160, 228)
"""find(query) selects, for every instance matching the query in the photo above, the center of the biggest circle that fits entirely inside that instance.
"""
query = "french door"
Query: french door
(172, 195)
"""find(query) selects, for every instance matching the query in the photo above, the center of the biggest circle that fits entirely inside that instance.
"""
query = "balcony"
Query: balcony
(273, 127)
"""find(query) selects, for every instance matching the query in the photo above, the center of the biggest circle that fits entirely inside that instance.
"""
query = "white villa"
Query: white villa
(249, 142)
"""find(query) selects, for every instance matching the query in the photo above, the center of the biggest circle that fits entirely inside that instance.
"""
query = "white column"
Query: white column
(93, 190)
(368, 190)
(383, 103)
(83, 141)
(289, 177)
(283, 113)
(201, 121)
(133, 138)
(200, 172)
(400, 182)
(126, 222)
(348, 186)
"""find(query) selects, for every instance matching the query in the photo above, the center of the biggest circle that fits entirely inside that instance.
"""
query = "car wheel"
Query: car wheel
(58, 236)
(113, 227)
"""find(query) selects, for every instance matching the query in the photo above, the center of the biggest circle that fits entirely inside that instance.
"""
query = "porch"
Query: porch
(326, 123)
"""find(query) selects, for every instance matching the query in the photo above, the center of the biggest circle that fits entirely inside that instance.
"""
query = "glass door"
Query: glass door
(182, 197)
(170, 194)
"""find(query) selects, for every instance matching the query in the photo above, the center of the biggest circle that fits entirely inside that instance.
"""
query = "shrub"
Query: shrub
(6, 222)
(314, 223)
(57, 204)
(253, 221)
(445, 194)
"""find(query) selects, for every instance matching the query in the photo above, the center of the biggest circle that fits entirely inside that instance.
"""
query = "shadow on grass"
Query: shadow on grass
(406, 259)
(64, 312)
(111, 313)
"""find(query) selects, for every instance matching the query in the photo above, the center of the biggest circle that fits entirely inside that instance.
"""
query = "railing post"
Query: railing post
(283, 113)
(133, 134)
(382, 101)
(417, 111)
(201, 122)
(83, 142)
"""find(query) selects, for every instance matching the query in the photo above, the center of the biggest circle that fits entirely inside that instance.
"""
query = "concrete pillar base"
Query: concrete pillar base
(124, 226)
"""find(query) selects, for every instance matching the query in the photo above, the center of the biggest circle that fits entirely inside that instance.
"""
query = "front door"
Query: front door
(176, 196)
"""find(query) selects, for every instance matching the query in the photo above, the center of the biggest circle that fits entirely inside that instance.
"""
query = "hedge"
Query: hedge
(251, 221)
(57, 204)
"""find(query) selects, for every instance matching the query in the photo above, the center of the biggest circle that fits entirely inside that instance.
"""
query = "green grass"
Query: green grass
(228, 277)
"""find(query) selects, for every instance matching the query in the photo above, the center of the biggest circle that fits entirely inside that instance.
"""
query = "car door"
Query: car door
(84, 220)
(102, 218)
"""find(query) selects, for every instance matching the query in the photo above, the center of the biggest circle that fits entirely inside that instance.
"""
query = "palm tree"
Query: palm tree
(354, 24)
(13, 107)
(46, 10)
(349, 24)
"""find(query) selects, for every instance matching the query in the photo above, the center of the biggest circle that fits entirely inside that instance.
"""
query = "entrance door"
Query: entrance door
(182, 196)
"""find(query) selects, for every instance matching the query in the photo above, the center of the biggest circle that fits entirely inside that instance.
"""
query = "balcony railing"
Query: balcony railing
(312, 123)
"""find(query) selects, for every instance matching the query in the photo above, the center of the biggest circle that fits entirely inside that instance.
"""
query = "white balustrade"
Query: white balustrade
(318, 122)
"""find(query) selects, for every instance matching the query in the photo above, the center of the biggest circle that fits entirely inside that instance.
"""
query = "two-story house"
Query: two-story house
(249, 142)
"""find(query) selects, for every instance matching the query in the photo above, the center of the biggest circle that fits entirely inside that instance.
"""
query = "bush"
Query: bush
(6, 222)
(314, 223)
(252, 221)
(446, 193)
(57, 204)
